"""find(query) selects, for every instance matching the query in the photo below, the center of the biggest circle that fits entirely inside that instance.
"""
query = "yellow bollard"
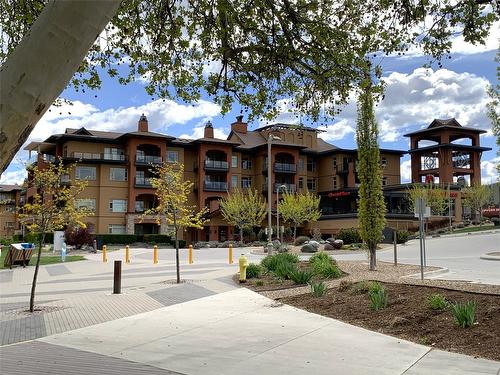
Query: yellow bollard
(243, 261)
(190, 254)
(104, 255)
(155, 254)
(127, 255)
(230, 255)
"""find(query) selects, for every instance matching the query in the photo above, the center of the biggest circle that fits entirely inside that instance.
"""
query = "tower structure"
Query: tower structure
(446, 152)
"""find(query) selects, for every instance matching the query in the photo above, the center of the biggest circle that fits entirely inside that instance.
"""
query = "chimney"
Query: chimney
(143, 124)
(239, 126)
(209, 130)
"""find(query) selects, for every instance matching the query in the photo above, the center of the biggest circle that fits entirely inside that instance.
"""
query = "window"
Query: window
(116, 229)
(172, 156)
(334, 162)
(234, 181)
(246, 163)
(384, 181)
(118, 205)
(383, 162)
(85, 173)
(246, 182)
(118, 174)
(301, 164)
(86, 203)
(335, 186)
(311, 184)
(234, 161)
(113, 154)
(139, 206)
(311, 165)
(301, 182)
(10, 225)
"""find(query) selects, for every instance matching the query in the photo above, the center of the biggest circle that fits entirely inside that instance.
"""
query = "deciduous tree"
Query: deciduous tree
(371, 203)
(53, 207)
(243, 209)
(299, 208)
(435, 197)
(172, 205)
(476, 196)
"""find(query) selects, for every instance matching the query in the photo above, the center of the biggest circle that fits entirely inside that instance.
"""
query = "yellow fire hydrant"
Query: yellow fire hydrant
(243, 261)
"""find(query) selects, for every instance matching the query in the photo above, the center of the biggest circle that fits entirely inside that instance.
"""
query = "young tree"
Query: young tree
(493, 109)
(371, 197)
(243, 209)
(476, 197)
(53, 207)
(257, 53)
(173, 205)
(435, 197)
(299, 209)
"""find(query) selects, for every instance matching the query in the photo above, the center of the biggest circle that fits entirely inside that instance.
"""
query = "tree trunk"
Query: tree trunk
(373, 257)
(40, 67)
(177, 265)
(241, 234)
(294, 232)
(35, 275)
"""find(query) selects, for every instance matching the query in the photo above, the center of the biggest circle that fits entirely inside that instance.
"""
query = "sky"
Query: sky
(414, 97)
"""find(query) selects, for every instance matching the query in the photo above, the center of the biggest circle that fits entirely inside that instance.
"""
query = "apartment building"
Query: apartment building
(10, 198)
(117, 168)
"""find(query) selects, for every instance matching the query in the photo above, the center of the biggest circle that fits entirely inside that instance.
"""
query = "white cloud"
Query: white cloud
(198, 132)
(405, 170)
(13, 177)
(489, 172)
(337, 131)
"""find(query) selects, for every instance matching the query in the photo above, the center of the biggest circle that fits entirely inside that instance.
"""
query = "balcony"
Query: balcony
(7, 201)
(96, 157)
(216, 165)
(148, 159)
(342, 169)
(290, 188)
(65, 180)
(143, 182)
(215, 186)
(285, 168)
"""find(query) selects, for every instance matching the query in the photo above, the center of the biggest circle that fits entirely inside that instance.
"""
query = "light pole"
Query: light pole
(270, 139)
(280, 233)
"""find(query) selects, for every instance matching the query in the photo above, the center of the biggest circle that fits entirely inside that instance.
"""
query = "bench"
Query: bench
(19, 254)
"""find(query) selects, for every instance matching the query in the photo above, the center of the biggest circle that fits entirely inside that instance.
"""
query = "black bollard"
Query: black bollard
(117, 280)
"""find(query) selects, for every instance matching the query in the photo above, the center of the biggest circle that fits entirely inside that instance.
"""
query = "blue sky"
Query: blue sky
(413, 98)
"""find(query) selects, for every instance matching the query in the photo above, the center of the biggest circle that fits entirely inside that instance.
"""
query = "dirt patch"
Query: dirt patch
(408, 316)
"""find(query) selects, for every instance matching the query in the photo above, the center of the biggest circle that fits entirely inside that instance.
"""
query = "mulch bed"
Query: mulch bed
(407, 316)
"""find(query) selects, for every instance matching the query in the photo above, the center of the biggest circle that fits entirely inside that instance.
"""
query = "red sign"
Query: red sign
(337, 194)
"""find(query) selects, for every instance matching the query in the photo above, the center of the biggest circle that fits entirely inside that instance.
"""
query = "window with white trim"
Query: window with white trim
(118, 205)
(234, 161)
(234, 181)
(85, 173)
(246, 182)
(172, 156)
(311, 184)
(117, 229)
(118, 174)
(86, 203)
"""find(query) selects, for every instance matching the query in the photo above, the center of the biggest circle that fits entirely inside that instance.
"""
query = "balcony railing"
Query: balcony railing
(216, 165)
(143, 182)
(215, 186)
(290, 188)
(97, 156)
(285, 167)
(148, 159)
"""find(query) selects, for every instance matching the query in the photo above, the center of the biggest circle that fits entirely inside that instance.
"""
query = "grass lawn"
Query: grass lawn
(474, 229)
(44, 260)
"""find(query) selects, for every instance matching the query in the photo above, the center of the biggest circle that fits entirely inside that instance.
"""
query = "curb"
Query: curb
(451, 235)
(430, 273)
(489, 257)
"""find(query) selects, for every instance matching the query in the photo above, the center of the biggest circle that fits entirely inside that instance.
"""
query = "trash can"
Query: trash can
(100, 242)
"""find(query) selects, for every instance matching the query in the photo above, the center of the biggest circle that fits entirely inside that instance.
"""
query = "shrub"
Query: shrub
(301, 277)
(437, 302)
(374, 287)
(289, 257)
(464, 313)
(328, 270)
(270, 262)
(254, 271)
(318, 289)
(301, 240)
(200, 245)
(157, 239)
(284, 269)
(402, 236)
(321, 257)
(34, 237)
(118, 239)
(78, 237)
(262, 236)
(349, 236)
(361, 286)
(378, 297)
(259, 283)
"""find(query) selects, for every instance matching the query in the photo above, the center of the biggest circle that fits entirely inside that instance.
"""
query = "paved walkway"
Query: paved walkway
(237, 332)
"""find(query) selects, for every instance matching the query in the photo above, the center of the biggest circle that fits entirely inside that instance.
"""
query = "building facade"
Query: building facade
(117, 168)
(10, 198)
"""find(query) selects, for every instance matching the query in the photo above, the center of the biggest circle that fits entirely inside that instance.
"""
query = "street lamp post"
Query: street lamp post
(270, 138)
(280, 233)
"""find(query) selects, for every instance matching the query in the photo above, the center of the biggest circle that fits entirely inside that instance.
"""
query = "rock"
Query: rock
(398, 321)
(330, 240)
(337, 244)
(308, 248)
(328, 247)
(314, 243)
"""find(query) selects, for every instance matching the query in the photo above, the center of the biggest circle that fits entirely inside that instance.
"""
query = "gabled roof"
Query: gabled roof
(93, 133)
(451, 123)
(9, 188)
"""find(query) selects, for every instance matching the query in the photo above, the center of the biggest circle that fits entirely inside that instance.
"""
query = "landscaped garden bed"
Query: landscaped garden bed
(420, 314)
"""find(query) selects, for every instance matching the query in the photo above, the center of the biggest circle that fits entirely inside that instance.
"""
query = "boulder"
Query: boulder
(314, 243)
(328, 247)
(337, 244)
(308, 248)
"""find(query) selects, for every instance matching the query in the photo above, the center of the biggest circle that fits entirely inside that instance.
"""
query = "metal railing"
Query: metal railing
(148, 159)
(215, 186)
(221, 165)
(97, 156)
(285, 167)
(143, 181)
(289, 188)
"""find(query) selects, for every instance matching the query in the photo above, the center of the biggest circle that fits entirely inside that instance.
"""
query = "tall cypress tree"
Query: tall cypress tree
(371, 198)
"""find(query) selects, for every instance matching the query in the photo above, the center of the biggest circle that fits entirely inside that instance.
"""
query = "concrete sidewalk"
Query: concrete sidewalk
(236, 332)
